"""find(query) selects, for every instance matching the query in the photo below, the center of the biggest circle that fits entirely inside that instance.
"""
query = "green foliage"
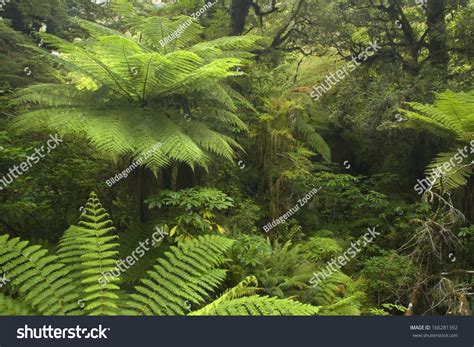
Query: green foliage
(60, 285)
(347, 198)
(387, 308)
(27, 16)
(338, 295)
(128, 78)
(129, 241)
(285, 270)
(466, 232)
(321, 248)
(15, 59)
(192, 209)
(452, 113)
(262, 306)
(41, 280)
(60, 180)
(187, 273)
(246, 287)
(12, 307)
(110, 82)
(390, 275)
(94, 254)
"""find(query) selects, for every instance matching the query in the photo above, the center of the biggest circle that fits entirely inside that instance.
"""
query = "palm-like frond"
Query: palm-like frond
(261, 306)
(453, 113)
(41, 279)
(98, 242)
(132, 94)
(89, 250)
(247, 286)
(187, 274)
(456, 177)
(313, 139)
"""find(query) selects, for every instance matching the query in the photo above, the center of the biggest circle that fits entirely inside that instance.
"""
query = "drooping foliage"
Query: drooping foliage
(116, 84)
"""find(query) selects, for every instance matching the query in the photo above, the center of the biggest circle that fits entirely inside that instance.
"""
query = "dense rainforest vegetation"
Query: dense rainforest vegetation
(236, 157)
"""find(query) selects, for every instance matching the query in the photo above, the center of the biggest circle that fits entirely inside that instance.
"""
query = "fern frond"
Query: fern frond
(241, 289)
(128, 92)
(456, 177)
(94, 29)
(344, 307)
(313, 139)
(41, 279)
(12, 307)
(187, 274)
(261, 306)
(70, 249)
(452, 111)
(100, 255)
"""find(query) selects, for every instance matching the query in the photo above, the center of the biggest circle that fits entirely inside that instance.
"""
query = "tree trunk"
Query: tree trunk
(184, 177)
(238, 14)
(143, 189)
(167, 177)
(437, 46)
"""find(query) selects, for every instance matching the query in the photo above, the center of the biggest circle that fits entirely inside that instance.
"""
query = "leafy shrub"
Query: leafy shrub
(284, 270)
(191, 210)
(321, 248)
(389, 277)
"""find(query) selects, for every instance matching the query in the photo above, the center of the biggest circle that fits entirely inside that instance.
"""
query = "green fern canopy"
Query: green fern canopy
(124, 93)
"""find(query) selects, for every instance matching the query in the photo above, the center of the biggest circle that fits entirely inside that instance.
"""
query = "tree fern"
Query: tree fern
(128, 93)
(453, 114)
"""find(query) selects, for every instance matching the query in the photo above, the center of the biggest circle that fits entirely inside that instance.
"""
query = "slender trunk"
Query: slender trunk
(141, 186)
(184, 178)
(435, 20)
(167, 177)
(238, 14)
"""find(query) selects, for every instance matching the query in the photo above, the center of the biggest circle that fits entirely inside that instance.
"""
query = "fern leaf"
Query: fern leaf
(41, 279)
(188, 273)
